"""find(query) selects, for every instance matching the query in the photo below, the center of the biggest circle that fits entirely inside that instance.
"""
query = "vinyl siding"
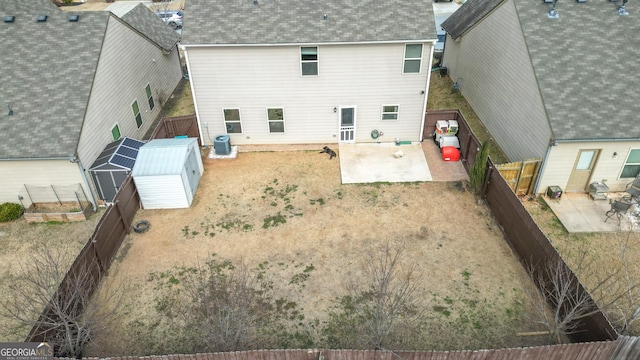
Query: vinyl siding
(37, 173)
(128, 63)
(255, 78)
(162, 191)
(496, 77)
(562, 158)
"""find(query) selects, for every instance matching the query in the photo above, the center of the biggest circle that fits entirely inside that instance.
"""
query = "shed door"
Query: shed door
(581, 173)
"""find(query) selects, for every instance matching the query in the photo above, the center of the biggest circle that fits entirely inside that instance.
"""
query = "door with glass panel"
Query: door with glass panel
(347, 124)
(581, 174)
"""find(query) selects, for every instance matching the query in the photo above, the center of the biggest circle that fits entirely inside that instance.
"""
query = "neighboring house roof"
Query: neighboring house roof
(302, 21)
(47, 74)
(151, 26)
(585, 63)
(48, 70)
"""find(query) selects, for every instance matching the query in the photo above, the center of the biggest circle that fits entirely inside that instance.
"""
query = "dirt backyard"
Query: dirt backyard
(290, 208)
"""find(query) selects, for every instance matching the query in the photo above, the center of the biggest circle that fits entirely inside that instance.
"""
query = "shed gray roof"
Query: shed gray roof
(48, 70)
(301, 21)
(585, 62)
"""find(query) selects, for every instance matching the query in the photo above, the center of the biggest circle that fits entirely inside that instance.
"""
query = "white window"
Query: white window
(232, 121)
(412, 58)
(309, 60)
(631, 167)
(275, 117)
(390, 112)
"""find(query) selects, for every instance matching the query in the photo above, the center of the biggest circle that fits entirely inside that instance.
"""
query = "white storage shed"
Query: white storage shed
(167, 173)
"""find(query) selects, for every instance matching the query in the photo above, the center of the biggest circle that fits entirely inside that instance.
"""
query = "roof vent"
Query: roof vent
(41, 18)
(553, 13)
(10, 110)
(621, 10)
(74, 18)
(9, 18)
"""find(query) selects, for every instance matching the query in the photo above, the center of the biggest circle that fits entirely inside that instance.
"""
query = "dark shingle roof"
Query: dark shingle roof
(301, 21)
(146, 22)
(585, 63)
(47, 72)
(468, 15)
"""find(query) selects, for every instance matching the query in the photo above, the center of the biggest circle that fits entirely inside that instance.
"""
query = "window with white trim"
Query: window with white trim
(115, 132)
(390, 112)
(136, 113)
(275, 117)
(232, 121)
(309, 60)
(149, 97)
(412, 58)
(631, 167)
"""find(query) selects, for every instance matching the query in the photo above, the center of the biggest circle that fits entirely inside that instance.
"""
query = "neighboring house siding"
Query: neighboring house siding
(37, 173)
(116, 86)
(255, 78)
(562, 160)
(496, 77)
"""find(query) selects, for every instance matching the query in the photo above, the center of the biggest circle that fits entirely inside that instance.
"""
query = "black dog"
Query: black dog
(326, 150)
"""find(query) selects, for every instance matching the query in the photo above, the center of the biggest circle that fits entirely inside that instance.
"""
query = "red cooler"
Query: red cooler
(450, 153)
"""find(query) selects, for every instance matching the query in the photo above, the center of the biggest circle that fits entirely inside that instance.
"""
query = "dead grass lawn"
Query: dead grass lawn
(20, 239)
(459, 248)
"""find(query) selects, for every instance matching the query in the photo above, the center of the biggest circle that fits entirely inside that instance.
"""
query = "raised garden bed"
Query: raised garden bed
(60, 212)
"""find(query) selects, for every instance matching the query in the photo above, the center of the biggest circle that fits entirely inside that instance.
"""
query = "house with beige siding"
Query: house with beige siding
(309, 72)
(562, 89)
(74, 82)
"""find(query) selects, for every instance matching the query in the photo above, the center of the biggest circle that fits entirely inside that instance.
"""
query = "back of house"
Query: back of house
(282, 72)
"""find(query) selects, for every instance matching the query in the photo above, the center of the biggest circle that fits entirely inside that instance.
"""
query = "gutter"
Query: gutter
(543, 166)
(558, 141)
(405, 41)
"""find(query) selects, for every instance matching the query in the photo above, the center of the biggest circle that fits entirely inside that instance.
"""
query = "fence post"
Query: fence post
(487, 178)
(56, 194)
(118, 207)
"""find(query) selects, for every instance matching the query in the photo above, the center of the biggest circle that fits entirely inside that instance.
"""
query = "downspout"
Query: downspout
(426, 93)
(536, 185)
(76, 160)
(193, 95)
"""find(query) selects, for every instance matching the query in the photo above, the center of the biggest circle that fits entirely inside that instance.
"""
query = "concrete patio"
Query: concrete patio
(579, 213)
(377, 162)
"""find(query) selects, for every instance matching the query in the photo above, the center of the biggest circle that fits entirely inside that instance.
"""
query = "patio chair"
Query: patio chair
(618, 209)
(633, 191)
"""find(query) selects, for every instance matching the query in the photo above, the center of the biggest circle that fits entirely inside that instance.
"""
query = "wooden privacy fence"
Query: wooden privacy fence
(591, 351)
(521, 175)
(521, 231)
(170, 127)
(92, 262)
